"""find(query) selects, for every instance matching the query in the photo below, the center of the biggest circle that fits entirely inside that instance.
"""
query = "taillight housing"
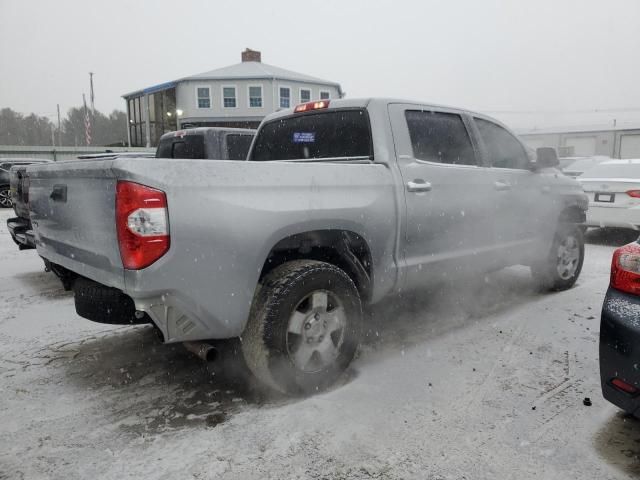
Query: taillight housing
(625, 269)
(634, 193)
(317, 105)
(142, 223)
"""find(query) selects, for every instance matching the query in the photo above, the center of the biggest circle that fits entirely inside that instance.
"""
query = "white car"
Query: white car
(578, 165)
(613, 188)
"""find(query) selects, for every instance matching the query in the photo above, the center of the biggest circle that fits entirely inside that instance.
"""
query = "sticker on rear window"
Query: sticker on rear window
(304, 137)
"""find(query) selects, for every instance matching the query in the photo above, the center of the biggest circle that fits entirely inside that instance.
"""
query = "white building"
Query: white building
(239, 95)
(620, 142)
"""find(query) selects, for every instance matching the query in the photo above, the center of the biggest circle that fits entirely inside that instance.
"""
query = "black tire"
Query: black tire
(103, 304)
(268, 344)
(5, 197)
(558, 271)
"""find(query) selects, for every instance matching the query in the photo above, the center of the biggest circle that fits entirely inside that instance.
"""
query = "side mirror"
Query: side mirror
(546, 157)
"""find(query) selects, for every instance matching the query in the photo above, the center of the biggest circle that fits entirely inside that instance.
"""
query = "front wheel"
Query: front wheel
(5, 197)
(560, 270)
(304, 328)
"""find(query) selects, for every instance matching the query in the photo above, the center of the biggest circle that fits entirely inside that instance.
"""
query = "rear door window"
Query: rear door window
(328, 134)
(502, 147)
(238, 146)
(439, 137)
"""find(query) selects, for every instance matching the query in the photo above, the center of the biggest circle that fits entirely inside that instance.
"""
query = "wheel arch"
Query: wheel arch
(343, 248)
(573, 214)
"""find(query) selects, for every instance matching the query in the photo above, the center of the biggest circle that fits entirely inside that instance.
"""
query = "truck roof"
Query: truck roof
(207, 131)
(377, 102)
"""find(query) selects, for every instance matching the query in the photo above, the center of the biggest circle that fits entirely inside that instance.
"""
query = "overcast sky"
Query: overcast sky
(559, 59)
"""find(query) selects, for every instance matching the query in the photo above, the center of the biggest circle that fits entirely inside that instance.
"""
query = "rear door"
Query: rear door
(449, 195)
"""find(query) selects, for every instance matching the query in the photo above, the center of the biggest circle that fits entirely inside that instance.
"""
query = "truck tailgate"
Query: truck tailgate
(72, 208)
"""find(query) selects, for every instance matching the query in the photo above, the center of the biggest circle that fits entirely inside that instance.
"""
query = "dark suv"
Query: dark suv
(5, 167)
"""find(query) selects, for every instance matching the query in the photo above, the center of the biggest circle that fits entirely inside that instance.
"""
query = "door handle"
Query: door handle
(502, 186)
(418, 185)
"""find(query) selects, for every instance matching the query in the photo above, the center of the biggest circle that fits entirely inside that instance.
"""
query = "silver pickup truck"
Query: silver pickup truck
(341, 204)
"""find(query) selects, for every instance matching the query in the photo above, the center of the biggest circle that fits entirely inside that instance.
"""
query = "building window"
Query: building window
(255, 96)
(285, 97)
(229, 97)
(305, 95)
(204, 97)
(325, 95)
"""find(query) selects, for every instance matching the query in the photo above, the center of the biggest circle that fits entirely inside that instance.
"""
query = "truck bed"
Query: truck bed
(224, 218)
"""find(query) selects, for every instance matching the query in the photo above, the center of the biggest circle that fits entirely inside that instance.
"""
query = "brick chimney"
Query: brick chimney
(251, 55)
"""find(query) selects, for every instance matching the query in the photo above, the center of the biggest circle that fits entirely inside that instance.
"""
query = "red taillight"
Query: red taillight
(305, 107)
(142, 224)
(624, 386)
(625, 269)
(634, 193)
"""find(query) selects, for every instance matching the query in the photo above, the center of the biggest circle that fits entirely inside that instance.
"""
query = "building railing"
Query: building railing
(61, 153)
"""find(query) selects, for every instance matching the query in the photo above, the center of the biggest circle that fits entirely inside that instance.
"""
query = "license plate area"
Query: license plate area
(605, 197)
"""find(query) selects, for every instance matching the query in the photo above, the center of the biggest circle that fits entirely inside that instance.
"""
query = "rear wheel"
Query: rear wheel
(304, 328)
(561, 269)
(5, 197)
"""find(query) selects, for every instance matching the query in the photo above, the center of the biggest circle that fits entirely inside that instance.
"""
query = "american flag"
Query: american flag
(87, 122)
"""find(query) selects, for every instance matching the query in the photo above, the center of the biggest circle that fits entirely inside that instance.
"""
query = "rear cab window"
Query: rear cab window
(187, 146)
(439, 137)
(318, 135)
(238, 146)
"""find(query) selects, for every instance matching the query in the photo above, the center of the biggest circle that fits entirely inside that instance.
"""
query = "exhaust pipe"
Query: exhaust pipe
(203, 350)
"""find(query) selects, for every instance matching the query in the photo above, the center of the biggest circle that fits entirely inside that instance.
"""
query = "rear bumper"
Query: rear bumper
(21, 233)
(613, 217)
(620, 348)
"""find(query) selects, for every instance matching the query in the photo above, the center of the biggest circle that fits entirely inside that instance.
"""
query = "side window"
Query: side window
(229, 97)
(503, 149)
(204, 97)
(439, 137)
(285, 97)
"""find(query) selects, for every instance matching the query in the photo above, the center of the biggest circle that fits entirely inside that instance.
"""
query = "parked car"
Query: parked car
(620, 331)
(198, 143)
(613, 188)
(5, 166)
(342, 203)
(578, 165)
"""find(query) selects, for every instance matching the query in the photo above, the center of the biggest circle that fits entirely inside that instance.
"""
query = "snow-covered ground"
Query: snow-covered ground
(482, 381)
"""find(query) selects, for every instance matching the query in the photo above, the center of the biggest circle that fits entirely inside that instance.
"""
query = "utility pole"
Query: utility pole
(59, 129)
(91, 96)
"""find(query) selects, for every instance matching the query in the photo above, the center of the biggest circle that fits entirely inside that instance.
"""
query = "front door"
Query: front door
(524, 209)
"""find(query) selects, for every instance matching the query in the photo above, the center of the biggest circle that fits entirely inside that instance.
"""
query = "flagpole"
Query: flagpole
(87, 122)
(91, 97)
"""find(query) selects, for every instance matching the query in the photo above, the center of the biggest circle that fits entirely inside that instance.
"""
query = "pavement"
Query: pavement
(481, 380)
